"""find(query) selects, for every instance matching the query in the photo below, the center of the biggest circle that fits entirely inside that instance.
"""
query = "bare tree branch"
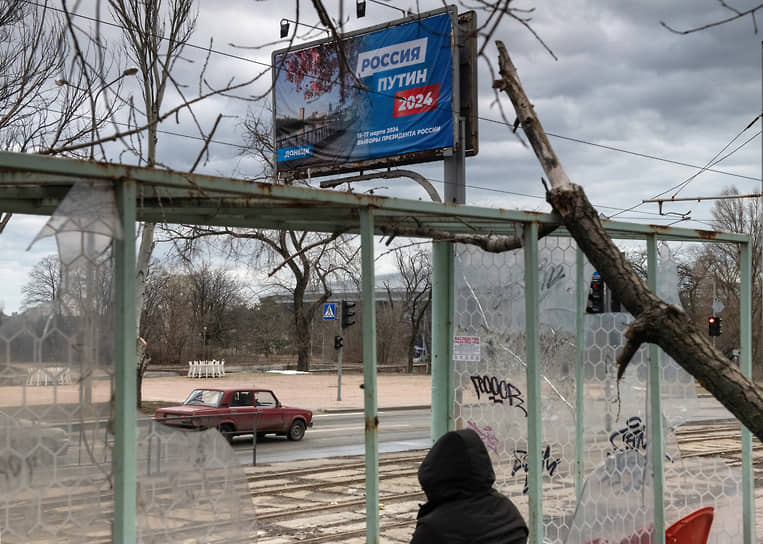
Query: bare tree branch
(737, 15)
(490, 243)
(657, 322)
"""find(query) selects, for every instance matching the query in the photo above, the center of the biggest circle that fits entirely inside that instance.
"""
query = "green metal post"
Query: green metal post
(369, 375)
(655, 408)
(125, 378)
(534, 431)
(442, 339)
(745, 361)
(581, 291)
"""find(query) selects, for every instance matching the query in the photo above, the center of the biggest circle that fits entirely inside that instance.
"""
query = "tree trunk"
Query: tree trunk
(302, 330)
(656, 321)
(301, 326)
(411, 346)
(142, 263)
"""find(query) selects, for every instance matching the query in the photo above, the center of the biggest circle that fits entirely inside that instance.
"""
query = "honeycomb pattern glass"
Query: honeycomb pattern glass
(489, 374)
(56, 414)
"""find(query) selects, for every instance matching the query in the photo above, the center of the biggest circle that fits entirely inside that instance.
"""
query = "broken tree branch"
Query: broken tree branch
(490, 243)
(663, 324)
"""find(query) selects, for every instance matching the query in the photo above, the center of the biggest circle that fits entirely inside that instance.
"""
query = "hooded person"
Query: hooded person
(462, 506)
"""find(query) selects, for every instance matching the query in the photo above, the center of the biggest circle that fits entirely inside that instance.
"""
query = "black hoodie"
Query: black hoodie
(462, 506)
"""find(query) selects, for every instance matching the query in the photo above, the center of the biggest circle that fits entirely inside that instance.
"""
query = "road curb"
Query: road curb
(360, 409)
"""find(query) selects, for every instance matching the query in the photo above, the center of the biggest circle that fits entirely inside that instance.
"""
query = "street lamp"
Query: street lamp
(60, 82)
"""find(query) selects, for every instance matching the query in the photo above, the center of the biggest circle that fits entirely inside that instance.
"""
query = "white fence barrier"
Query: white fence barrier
(206, 369)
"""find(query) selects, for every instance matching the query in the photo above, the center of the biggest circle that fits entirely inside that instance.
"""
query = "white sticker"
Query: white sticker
(466, 348)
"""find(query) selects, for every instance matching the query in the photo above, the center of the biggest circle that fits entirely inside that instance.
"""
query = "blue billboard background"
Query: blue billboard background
(395, 99)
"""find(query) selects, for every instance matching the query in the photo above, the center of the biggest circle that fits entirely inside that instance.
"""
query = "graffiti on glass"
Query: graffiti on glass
(486, 434)
(499, 391)
(12, 467)
(548, 465)
(550, 275)
(630, 437)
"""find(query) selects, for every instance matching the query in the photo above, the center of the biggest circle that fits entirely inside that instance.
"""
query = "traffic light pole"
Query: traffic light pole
(339, 366)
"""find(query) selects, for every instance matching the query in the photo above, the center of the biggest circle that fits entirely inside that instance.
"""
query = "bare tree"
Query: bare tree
(31, 57)
(723, 264)
(311, 261)
(44, 282)
(155, 37)
(213, 294)
(416, 273)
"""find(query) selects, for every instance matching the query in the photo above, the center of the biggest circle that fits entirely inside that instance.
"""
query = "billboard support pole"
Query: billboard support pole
(444, 401)
(454, 165)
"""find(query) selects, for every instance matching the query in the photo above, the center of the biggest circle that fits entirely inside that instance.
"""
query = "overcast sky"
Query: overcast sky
(633, 110)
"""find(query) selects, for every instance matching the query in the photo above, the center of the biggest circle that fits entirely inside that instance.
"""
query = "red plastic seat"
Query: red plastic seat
(691, 529)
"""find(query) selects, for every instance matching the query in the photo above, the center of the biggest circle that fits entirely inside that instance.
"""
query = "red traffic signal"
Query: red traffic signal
(595, 303)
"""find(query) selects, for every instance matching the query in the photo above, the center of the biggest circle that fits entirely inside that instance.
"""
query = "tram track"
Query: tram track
(701, 440)
(324, 500)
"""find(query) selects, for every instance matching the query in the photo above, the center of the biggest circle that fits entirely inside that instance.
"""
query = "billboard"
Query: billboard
(386, 93)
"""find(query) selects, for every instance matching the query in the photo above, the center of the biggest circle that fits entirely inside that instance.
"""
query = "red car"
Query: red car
(232, 410)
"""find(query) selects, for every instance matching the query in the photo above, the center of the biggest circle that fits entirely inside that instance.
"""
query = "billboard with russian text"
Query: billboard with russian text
(384, 97)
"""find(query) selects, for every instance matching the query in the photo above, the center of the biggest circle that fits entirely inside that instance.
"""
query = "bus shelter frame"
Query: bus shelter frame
(34, 184)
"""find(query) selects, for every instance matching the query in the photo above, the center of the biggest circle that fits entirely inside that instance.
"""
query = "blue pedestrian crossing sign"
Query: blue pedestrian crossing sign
(329, 311)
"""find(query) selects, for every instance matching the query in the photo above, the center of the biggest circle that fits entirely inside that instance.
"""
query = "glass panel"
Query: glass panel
(490, 397)
(56, 414)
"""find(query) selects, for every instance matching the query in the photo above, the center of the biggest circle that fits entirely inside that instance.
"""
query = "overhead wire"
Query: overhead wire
(620, 211)
(707, 168)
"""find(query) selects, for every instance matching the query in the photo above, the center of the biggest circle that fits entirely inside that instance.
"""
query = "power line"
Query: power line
(482, 118)
(715, 160)
(645, 155)
(121, 27)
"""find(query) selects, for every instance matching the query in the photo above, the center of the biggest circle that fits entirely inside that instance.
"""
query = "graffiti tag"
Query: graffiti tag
(548, 464)
(499, 391)
(550, 274)
(12, 466)
(486, 434)
(630, 437)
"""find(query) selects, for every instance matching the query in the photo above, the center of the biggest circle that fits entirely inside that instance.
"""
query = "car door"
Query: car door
(270, 418)
(242, 409)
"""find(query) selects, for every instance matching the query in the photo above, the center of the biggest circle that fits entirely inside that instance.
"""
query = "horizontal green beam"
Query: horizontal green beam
(36, 173)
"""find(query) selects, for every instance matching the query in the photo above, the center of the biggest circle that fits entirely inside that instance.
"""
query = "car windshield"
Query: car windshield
(204, 397)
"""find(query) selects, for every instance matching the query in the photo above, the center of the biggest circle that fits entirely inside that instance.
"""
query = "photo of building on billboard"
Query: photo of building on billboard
(395, 99)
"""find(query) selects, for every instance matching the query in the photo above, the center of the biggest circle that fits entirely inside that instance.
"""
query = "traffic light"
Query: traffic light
(714, 325)
(596, 295)
(338, 342)
(347, 314)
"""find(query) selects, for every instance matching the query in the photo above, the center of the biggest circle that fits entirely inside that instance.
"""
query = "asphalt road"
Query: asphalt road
(343, 434)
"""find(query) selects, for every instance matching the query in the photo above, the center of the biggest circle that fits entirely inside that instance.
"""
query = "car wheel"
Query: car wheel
(226, 429)
(297, 430)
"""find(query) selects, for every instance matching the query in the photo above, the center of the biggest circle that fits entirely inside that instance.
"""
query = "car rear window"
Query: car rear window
(204, 397)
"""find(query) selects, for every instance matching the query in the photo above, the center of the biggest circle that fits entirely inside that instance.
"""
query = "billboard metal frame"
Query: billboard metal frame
(462, 50)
